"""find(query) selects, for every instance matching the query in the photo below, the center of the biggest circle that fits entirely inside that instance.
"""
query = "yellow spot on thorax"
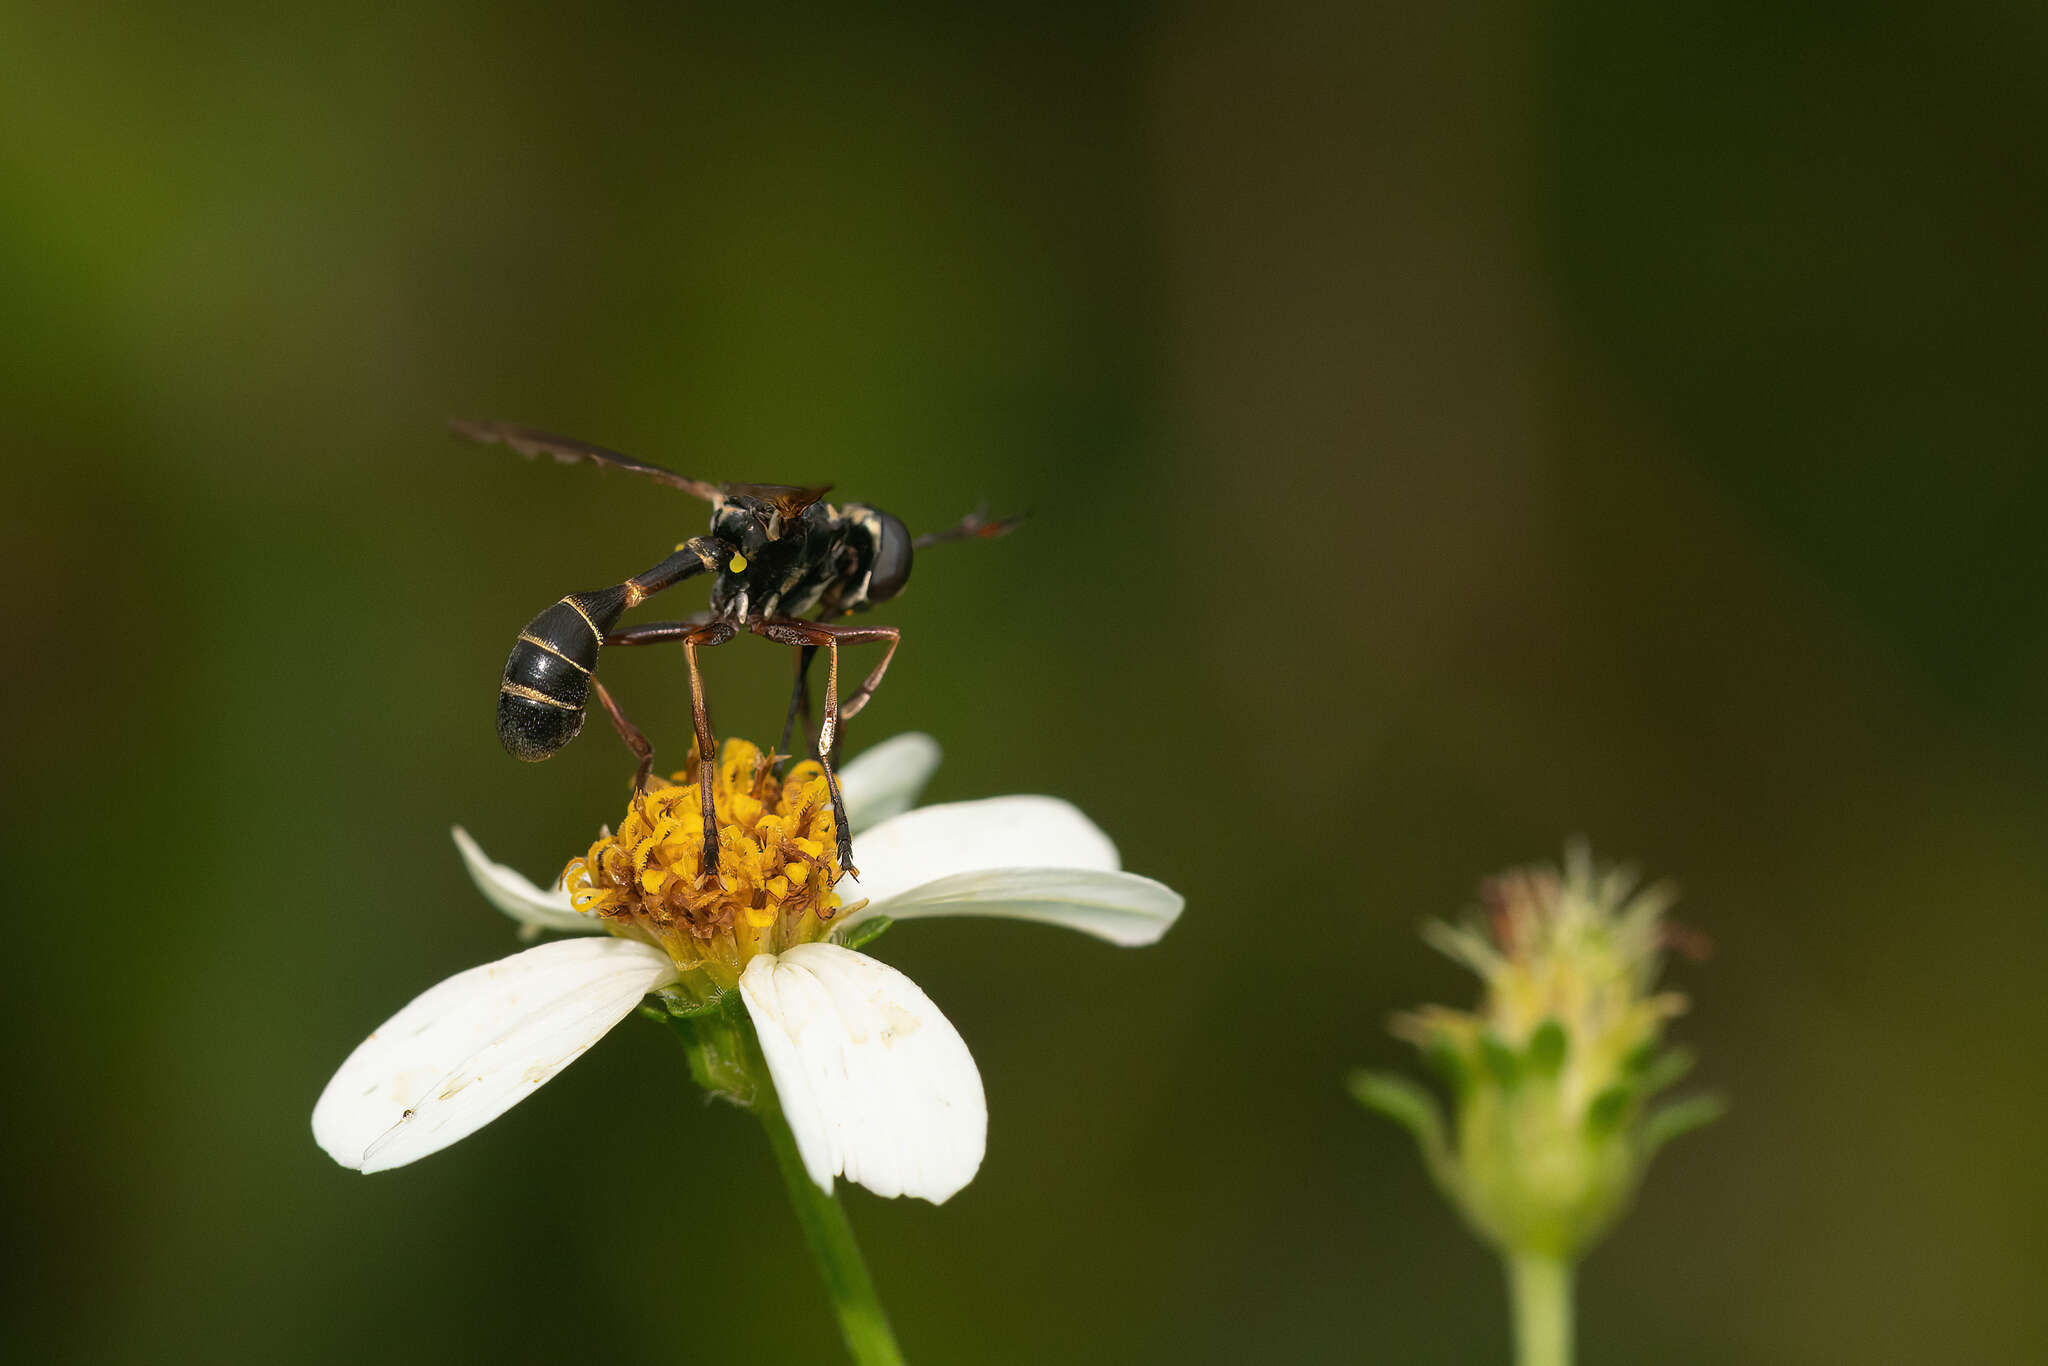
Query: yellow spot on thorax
(776, 866)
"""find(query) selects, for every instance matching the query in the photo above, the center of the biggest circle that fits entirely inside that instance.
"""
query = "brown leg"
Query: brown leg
(865, 636)
(631, 734)
(714, 633)
(828, 740)
(653, 633)
(828, 727)
(799, 699)
(814, 634)
(657, 632)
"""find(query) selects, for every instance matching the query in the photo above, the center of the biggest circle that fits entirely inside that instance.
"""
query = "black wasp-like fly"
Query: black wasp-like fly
(786, 562)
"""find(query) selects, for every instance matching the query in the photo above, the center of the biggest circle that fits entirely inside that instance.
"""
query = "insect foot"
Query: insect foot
(770, 889)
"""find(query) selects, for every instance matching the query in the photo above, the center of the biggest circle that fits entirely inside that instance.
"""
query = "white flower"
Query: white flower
(875, 1083)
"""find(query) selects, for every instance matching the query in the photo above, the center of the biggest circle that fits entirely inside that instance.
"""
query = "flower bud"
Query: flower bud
(1552, 1078)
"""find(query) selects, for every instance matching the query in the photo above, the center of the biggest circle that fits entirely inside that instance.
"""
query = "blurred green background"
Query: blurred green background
(1445, 429)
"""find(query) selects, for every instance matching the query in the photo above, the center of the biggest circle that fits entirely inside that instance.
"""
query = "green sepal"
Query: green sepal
(675, 1004)
(1444, 1055)
(1667, 1122)
(1411, 1107)
(1501, 1060)
(1664, 1070)
(1641, 1056)
(724, 1058)
(1608, 1110)
(1547, 1047)
(867, 932)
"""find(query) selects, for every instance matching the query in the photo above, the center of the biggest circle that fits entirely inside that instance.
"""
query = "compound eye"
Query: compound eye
(892, 559)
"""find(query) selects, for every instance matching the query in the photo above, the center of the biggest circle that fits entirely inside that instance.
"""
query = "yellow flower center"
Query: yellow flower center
(776, 866)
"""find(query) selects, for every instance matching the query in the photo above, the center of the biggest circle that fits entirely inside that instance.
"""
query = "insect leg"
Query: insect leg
(653, 633)
(707, 635)
(799, 698)
(657, 632)
(693, 632)
(867, 635)
(828, 743)
(811, 634)
(856, 635)
(836, 710)
(631, 734)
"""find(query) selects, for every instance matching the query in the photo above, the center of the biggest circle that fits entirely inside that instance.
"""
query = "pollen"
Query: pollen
(737, 564)
(776, 866)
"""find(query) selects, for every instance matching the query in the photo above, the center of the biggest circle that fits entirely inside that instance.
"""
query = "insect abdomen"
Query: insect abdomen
(547, 676)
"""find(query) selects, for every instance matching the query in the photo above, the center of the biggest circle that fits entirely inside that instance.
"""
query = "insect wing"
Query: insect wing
(530, 442)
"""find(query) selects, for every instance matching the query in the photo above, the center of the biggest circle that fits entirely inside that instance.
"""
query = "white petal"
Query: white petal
(876, 1083)
(534, 909)
(470, 1049)
(884, 780)
(970, 837)
(1121, 907)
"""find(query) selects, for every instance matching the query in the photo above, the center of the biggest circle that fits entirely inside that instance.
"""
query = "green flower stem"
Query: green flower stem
(725, 1058)
(861, 1320)
(1541, 1288)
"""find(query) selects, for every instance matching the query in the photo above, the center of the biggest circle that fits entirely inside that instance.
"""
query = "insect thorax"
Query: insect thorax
(818, 567)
